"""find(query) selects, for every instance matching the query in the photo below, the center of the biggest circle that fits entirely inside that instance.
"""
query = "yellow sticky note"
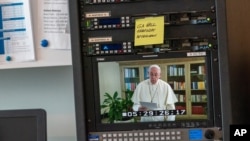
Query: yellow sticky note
(149, 30)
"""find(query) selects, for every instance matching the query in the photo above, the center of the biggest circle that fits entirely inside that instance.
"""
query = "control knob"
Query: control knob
(209, 134)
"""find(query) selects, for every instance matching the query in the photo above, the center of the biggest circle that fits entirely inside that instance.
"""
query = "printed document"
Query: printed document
(16, 35)
(149, 105)
(53, 23)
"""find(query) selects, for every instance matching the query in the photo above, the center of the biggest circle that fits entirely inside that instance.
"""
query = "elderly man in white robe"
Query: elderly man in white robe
(157, 91)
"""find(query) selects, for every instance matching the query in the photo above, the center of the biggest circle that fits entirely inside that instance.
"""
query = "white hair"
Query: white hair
(154, 66)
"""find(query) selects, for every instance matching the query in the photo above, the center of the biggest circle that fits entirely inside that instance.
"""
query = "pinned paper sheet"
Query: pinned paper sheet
(149, 30)
(16, 32)
(53, 23)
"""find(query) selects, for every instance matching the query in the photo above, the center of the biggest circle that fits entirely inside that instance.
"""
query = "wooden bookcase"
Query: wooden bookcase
(186, 76)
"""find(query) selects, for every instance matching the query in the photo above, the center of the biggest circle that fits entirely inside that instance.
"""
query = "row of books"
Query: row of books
(130, 86)
(177, 85)
(200, 85)
(194, 98)
(173, 70)
(199, 110)
(131, 72)
(178, 107)
(199, 98)
(196, 110)
(176, 70)
(181, 97)
(199, 70)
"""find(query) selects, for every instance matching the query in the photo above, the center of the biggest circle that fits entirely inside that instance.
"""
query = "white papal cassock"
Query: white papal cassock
(160, 93)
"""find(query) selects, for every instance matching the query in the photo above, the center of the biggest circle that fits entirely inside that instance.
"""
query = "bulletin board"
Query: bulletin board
(51, 35)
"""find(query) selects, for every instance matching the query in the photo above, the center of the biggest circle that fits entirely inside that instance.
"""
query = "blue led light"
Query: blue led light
(106, 47)
(195, 134)
(92, 137)
(109, 21)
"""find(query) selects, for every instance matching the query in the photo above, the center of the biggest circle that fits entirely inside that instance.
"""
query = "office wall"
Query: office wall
(45, 56)
(50, 88)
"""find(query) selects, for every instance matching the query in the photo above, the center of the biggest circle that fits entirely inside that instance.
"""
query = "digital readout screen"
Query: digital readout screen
(106, 47)
(109, 21)
(195, 134)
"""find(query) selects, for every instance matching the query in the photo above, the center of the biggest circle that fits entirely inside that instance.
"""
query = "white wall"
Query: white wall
(110, 81)
(50, 88)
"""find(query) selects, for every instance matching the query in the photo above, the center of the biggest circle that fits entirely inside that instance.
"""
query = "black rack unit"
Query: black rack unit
(190, 26)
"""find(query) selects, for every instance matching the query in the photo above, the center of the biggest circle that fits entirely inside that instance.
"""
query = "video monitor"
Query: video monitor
(23, 125)
(125, 92)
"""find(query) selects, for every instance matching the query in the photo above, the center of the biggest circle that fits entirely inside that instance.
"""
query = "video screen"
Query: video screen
(153, 90)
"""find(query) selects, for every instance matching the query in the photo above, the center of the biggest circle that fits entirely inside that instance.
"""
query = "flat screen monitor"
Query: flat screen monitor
(111, 96)
(23, 125)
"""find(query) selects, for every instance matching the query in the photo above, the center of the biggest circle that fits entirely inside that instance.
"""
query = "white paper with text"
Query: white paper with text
(53, 23)
(16, 33)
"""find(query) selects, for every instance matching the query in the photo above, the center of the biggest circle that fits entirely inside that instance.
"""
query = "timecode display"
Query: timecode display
(153, 113)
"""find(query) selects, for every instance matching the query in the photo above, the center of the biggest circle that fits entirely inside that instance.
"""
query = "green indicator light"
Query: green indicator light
(210, 45)
(208, 19)
(88, 24)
